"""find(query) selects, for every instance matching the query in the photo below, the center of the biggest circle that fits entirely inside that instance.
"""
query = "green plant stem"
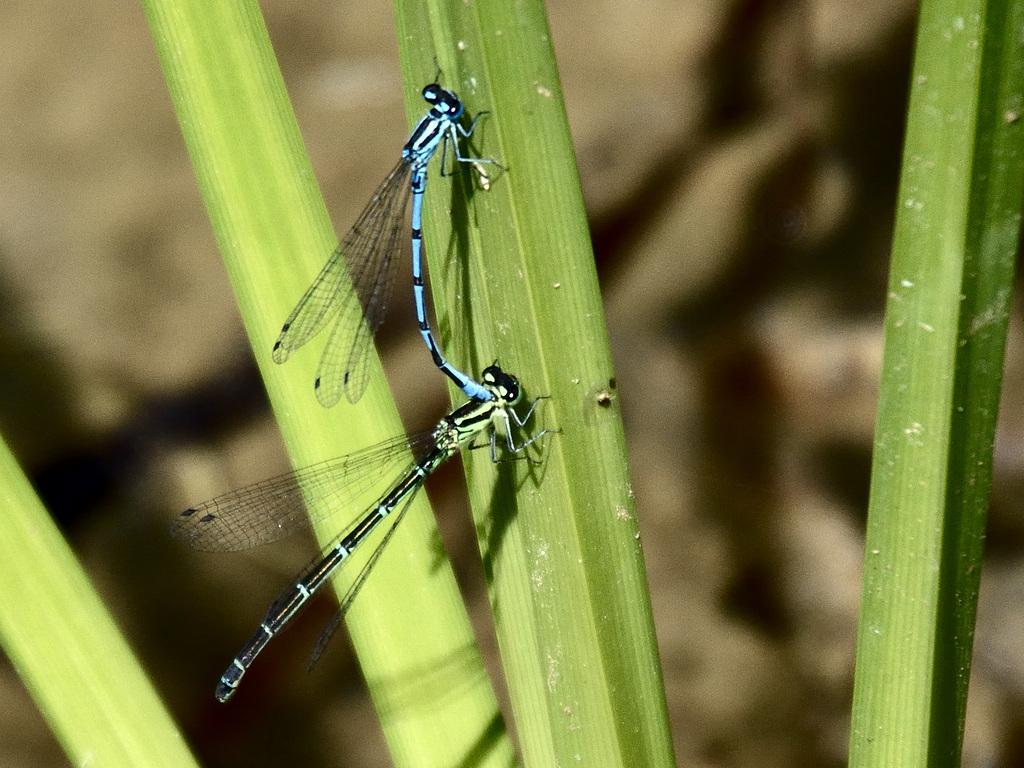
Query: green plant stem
(954, 254)
(516, 281)
(408, 626)
(67, 649)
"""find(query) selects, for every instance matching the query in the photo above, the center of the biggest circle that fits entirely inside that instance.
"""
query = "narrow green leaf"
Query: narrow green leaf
(67, 649)
(409, 626)
(954, 254)
(515, 278)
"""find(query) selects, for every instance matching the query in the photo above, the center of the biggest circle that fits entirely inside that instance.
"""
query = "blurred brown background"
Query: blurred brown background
(739, 161)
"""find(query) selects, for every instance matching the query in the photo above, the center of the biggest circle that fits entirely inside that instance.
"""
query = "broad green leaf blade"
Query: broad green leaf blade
(274, 236)
(515, 276)
(66, 648)
(954, 255)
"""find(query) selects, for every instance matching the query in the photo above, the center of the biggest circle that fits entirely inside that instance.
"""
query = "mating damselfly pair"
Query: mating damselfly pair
(274, 508)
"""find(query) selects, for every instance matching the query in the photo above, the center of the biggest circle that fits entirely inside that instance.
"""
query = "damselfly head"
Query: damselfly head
(505, 386)
(445, 103)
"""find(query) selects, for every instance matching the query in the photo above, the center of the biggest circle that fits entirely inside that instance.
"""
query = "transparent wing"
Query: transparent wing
(272, 509)
(370, 252)
(319, 304)
(381, 237)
